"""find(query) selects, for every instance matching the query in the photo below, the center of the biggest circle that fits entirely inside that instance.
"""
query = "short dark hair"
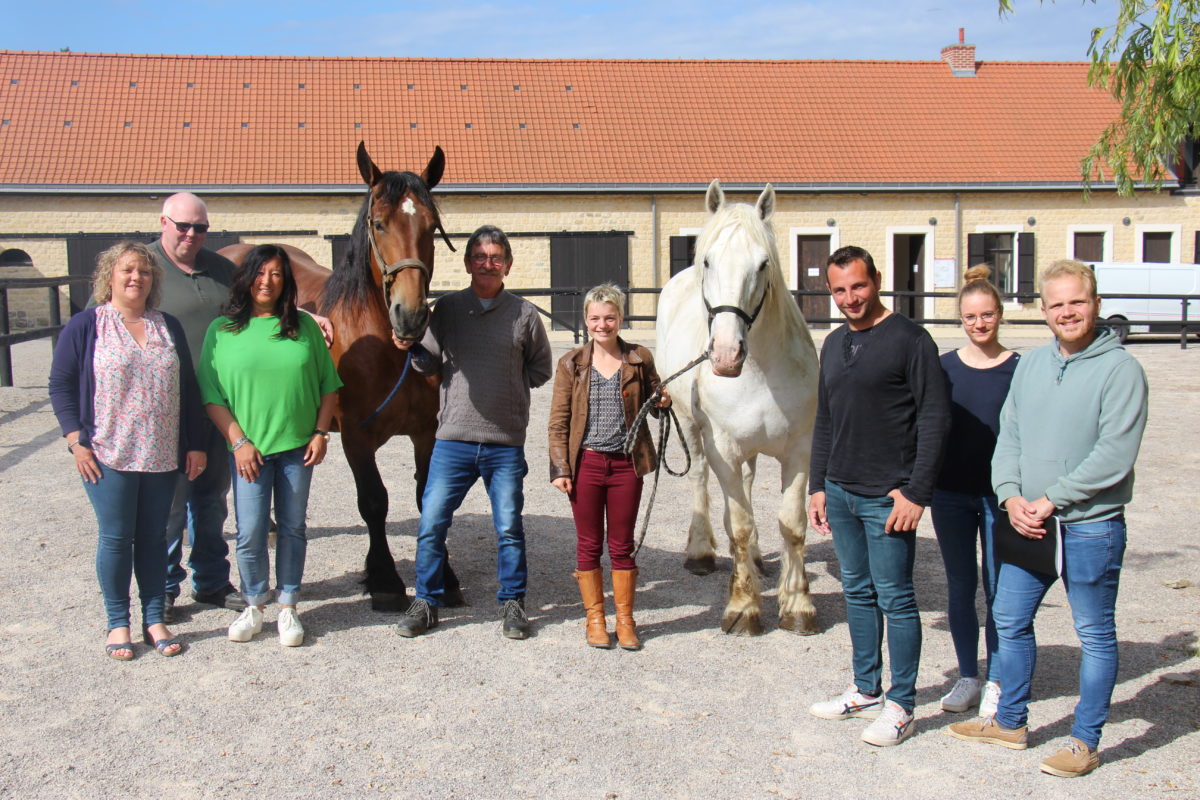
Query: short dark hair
(239, 307)
(844, 256)
(488, 234)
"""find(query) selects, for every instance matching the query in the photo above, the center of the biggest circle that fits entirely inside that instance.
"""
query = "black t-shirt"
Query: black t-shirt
(976, 397)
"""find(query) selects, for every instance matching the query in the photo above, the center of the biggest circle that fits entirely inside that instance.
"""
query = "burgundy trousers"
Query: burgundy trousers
(606, 488)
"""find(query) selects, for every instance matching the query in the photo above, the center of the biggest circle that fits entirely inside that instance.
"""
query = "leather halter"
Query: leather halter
(389, 270)
(747, 318)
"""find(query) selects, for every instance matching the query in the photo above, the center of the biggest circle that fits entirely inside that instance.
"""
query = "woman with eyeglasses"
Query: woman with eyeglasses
(270, 387)
(125, 396)
(964, 507)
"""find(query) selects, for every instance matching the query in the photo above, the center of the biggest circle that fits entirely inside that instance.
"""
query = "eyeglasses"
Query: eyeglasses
(200, 228)
(480, 259)
(987, 316)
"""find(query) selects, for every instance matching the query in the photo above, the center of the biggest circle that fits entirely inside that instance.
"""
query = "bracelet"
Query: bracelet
(71, 446)
(319, 432)
(238, 444)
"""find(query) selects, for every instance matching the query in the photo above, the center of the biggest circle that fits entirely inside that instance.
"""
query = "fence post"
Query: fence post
(55, 315)
(6, 378)
(1183, 331)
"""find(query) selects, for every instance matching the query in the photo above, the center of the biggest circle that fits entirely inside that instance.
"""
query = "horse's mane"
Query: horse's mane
(745, 217)
(352, 281)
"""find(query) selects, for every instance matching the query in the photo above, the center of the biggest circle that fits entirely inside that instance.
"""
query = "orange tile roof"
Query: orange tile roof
(146, 120)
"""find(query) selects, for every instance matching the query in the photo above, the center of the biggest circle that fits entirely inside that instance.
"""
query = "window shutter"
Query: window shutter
(681, 253)
(1196, 252)
(975, 252)
(1026, 267)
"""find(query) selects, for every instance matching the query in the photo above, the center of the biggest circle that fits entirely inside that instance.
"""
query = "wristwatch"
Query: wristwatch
(319, 432)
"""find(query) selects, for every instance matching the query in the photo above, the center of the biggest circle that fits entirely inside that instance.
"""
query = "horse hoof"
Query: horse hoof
(803, 624)
(389, 602)
(742, 624)
(453, 598)
(704, 565)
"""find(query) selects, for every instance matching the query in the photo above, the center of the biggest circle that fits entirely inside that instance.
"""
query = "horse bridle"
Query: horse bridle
(388, 270)
(747, 318)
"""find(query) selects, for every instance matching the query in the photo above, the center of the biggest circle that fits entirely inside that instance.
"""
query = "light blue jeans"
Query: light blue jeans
(131, 509)
(453, 470)
(284, 477)
(877, 582)
(960, 520)
(1092, 557)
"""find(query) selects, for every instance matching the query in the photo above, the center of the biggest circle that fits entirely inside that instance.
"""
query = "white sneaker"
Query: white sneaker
(991, 699)
(893, 726)
(291, 632)
(964, 695)
(851, 703)
(246, 626)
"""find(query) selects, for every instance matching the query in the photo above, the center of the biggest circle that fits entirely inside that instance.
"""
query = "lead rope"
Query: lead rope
(665, 418)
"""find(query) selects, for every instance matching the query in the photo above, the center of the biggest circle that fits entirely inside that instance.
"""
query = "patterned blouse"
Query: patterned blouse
(605, 429)
(137, 395)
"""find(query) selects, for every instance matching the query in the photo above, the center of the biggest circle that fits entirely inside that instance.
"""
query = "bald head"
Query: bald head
(182, 247)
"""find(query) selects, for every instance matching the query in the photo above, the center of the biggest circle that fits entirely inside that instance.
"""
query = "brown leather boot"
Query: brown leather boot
(591, 589)
(624, 583)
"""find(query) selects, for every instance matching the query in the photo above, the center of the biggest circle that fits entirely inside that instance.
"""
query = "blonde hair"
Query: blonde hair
(977, 280)
(1069, 268)
(107, 261)
(606, 293)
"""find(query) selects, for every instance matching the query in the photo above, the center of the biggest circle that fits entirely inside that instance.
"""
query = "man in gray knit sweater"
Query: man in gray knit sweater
(491, 349)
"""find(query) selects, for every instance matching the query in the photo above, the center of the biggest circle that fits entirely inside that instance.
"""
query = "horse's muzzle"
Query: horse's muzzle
(409, 324)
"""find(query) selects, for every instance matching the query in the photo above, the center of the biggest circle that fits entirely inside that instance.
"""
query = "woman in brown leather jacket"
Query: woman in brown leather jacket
(598, 390)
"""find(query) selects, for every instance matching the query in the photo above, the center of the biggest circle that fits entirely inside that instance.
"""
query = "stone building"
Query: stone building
(597, 168)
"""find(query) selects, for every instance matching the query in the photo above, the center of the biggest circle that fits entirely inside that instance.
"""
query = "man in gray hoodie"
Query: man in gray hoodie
(1069, 435)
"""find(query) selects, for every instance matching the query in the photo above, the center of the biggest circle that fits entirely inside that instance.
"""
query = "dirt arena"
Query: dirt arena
(464, 713)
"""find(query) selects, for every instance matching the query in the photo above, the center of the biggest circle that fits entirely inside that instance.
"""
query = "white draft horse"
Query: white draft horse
(759, 397)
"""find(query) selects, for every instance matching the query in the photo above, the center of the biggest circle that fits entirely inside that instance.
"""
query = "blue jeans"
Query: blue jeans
(199, 507)
(1092, 556)
(453, 470)
(284, 476)
(959, 520)
(131, 509)
(877, 582)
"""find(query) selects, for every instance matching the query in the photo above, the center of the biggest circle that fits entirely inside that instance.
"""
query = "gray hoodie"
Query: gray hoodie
(1071, 428)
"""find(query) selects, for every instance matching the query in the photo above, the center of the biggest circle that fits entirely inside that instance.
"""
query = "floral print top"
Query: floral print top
(137, 395)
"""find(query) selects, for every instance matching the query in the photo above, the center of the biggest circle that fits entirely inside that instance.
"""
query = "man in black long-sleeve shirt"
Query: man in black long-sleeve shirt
(882, 416)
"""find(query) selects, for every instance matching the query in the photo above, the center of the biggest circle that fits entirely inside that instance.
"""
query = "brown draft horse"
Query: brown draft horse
(381, 287)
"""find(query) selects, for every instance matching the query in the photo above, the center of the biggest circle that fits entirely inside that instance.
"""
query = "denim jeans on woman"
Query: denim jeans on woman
(877, 581)
(960, 520)
(1092, 556)
(284, 477)
(131, 509)
(453, 470)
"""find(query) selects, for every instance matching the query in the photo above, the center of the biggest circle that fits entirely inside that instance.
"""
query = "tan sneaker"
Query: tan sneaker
(985, 729)
(1074, 759)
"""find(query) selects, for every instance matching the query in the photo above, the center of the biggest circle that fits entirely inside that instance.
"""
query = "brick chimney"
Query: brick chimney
(960, 57)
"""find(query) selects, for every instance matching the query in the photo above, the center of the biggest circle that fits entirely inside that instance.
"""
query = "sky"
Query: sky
(800, 29)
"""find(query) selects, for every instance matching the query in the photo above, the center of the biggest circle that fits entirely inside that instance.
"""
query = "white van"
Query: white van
(1151, 315)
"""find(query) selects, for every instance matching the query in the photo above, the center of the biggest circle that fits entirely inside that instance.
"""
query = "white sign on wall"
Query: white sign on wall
(944, 273)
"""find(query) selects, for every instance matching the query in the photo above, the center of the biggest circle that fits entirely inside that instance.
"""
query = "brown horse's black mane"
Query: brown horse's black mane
(352, 281)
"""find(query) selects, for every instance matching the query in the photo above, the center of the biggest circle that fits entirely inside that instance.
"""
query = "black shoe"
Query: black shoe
(225, 597)
(171, 615)
(515, 625)
(419, 618)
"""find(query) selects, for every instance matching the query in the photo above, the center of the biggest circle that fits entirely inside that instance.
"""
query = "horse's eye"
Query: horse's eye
(706, 262)
(378, 225)
(763, 265)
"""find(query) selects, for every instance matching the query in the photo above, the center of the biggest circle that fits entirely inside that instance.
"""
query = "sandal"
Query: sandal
(162, 645)
(116, 647)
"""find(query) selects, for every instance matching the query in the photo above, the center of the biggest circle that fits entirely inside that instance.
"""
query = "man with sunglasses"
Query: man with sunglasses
(491, 349)
(195, 285)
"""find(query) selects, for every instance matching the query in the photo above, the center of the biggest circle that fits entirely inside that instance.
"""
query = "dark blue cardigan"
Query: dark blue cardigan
(73, 383)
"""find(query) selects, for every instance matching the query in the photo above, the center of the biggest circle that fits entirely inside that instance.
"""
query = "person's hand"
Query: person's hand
(816, 513)
(402, 344)
(905, 514)
(664, 399)
(195, 463)
(247, 462)
(85, 462)
(1023, 514)
(324, 324)
(563, 484)
(315, 452)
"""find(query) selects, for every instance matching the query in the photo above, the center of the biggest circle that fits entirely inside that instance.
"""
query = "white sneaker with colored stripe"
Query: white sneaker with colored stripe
(893, 726)
(851, 703)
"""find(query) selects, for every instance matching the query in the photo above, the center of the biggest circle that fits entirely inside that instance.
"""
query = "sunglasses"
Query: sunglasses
(200, 228)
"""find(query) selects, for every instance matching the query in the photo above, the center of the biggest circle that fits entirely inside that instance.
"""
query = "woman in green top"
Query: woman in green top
(269, 385)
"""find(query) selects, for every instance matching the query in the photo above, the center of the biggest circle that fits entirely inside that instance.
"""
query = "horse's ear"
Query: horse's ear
(766, 203)
(366, 167)
(714, 198)
(433, 170)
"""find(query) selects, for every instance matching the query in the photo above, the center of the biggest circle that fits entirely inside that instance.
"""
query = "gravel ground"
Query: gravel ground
(464, 713)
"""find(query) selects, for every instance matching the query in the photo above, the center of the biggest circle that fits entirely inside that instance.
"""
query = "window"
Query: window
(1156, 247)
(1157, 243)
(683, 253)
(1011, 255)
(1089, 246)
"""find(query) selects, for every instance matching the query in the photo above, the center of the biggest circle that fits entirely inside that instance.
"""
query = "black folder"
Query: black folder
(1044, 556)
